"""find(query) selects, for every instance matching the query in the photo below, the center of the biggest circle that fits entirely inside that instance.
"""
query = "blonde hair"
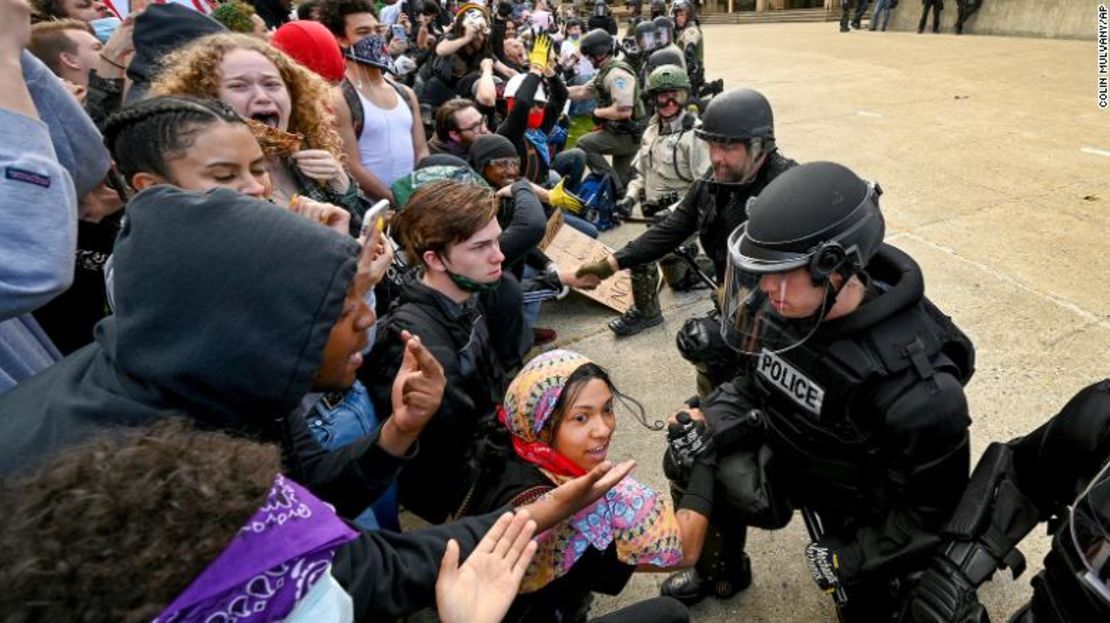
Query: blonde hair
(194, 70)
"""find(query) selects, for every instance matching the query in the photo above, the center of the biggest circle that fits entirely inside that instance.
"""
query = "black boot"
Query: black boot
(690, 586)
(633, 322)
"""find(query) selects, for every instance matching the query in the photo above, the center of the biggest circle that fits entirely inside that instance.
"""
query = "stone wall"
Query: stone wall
(1065, 19)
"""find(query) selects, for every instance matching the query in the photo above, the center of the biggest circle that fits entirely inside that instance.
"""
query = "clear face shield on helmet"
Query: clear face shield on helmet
(761, 309)
(648, 42)
(1089, 523)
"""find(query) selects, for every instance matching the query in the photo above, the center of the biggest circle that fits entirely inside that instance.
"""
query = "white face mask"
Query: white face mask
(325, 602)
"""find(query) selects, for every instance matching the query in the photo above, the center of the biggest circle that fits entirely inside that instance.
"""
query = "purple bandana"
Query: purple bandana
(285, 547)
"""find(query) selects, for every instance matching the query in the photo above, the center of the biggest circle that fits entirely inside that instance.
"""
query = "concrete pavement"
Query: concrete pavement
(995, 162)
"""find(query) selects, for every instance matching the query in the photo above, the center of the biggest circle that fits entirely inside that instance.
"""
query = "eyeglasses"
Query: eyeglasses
(506, 164)
(478, 126)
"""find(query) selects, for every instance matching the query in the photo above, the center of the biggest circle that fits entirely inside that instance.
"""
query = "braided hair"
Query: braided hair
(144, 136)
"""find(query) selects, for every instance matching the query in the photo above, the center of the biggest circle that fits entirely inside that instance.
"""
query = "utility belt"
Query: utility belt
(625, 126)
(651, 208)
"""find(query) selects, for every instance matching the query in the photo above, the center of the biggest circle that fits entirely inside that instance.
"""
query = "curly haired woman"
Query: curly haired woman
(264, 85)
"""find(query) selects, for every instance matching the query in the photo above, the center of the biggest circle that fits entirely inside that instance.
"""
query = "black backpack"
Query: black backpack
(358, 115)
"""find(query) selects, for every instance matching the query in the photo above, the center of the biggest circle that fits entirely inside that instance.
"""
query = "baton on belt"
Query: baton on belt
(813, 527)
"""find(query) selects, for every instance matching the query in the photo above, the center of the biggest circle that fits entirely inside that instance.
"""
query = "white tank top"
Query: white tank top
(385, 147)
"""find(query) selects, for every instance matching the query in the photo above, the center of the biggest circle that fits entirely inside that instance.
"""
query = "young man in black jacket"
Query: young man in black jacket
(450, 229)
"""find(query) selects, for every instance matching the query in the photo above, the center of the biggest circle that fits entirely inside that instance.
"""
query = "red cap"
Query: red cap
(312, 45)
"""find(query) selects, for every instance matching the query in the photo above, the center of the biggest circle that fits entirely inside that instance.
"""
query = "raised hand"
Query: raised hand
(321, 165)
(483, 588)
(376, 256)
(323, 213)
(574, 495)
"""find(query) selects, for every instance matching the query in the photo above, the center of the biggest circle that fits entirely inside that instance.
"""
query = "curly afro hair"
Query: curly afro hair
(115, 529)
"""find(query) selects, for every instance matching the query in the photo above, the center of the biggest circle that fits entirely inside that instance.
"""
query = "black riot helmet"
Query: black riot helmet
(810, 223)
(601, 9)
(665, 27)
(688, 8)
(647, 37)
(597, 44)
(737, 116)
(666, 56)
(658, 7)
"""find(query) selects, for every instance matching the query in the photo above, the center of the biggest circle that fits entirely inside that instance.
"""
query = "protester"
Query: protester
(458, 125)
(210, 525)
(283, 98)
(560, 412)
(82, 10)
(70, 49)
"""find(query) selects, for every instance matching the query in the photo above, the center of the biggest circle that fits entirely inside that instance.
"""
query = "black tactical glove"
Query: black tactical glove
(624, 207)
(944, 594)
(689, 441)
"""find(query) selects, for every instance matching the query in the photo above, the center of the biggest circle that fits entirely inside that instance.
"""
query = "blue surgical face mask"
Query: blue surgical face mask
(105, 27)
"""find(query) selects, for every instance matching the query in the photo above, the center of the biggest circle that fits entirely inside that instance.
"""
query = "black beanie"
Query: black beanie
(490, 147)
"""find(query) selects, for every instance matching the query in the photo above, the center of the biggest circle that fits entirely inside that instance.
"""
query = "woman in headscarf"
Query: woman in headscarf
(560, 412)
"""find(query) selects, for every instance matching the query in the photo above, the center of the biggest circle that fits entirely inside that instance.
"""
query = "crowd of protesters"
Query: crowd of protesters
(270, 274)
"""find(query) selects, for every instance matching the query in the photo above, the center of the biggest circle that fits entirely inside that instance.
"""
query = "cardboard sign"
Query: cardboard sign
(569, 247)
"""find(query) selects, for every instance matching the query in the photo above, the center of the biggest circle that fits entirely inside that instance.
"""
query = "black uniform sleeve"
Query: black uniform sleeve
(351, 478)
(556, 99)
(389, 574)
(926, 438)
(662, 238)
(1053, 463)
(528, 224)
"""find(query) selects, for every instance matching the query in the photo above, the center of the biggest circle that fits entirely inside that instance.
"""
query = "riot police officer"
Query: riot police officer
(619, 108)
(1015, 486)
(658, 7)
(851, 406)
(670, 159)
(601, 16)
(688, 31)
(739, 127)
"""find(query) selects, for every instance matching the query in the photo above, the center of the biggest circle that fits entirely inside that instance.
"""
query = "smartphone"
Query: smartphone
(399, 32)
(370, 219)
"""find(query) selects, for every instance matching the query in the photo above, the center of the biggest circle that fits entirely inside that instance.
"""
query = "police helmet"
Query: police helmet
(658, 7)
(666, 56)
(601, 9)
(647, 36)
(737, 116)
(820, 217)
(597, 43)
(665, 27)
(688, 7)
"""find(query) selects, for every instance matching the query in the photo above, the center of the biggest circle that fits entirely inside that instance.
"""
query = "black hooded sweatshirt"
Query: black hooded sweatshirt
(224, 304)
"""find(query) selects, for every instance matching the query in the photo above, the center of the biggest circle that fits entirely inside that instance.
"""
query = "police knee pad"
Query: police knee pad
(745, 478)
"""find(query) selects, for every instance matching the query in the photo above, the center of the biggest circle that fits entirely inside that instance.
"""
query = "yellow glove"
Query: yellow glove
(564, 200)
(602, 269)
(541, 52)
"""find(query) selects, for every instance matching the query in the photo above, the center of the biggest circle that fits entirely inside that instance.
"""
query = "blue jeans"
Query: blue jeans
(352, 419)
(582, 108)
(884, 7)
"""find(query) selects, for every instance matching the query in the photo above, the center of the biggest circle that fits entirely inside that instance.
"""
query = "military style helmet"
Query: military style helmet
(737, 116)
(668, 78)
(601, 9)
(665, 27)
(666, 56)
(820, 217)
(597, 43)
(658, 7)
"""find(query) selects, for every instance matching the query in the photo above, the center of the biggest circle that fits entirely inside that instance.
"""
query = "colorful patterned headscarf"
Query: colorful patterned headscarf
(633, 515)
